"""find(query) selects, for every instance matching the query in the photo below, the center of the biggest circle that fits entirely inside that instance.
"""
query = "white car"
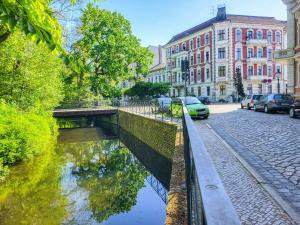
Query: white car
(249, 100)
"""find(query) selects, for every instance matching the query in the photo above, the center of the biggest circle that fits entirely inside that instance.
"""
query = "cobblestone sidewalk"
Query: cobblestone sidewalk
(252, 202)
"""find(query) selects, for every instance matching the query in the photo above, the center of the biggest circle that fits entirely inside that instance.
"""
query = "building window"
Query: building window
(221, 53)
(221, 35)
(259, 70)
(191, 44)
(259, 35)
(192, 90)
(278, 37)
(192, 60)
(222, 90)
(199, 91)
(222, 71)
(164, 78)
(192, 76)
(173, 50)
(199, 75)
(259, 53)
(269, 71)
(269, 36)
(250, 52)
(206, 39)
(270, 89)
(238, 53)
(198, 42)
(184, 46)
(278, 69)
(238, 35)
(199, 58)
(208, 91)
(177, 48)
(249, 35)
(207, 56)
(207, 74)
(178, 63)
(159, 79)
(298, 34)
(250, 70)
(270, 54)
(259, 89)
(249, 88)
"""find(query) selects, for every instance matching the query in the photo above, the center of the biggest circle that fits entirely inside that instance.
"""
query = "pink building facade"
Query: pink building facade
(217, 47)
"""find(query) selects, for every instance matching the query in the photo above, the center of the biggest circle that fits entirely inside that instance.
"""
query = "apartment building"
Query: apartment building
(157, 72)
(290, 56)
(217, 47)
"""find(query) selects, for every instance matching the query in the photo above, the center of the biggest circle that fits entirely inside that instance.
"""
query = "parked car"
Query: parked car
(195, 108)
(249, 101)
(204, 100)
(273, 103)
(295, 109)
(163, 103)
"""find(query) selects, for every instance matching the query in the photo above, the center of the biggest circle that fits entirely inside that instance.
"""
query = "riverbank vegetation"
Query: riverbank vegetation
(39, 73)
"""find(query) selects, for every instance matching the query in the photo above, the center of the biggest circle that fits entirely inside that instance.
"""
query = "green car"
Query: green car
(195, 108)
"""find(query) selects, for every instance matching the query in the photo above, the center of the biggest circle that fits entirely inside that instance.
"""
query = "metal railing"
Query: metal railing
(208, 202)
(153, 109)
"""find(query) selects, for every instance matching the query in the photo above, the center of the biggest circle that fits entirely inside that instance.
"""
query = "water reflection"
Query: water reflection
(91, 178)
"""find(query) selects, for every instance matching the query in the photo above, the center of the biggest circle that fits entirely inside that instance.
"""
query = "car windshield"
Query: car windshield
(256, 97)
(190, 100)
(283, 97)
(165, 100)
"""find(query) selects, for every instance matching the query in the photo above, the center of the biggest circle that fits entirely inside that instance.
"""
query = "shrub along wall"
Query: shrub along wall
(159, 135)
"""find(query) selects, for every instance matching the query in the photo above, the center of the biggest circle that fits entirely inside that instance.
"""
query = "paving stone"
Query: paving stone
(270, 143)
(252, 203)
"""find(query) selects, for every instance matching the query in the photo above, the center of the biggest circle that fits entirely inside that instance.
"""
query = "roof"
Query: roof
(230, 17)
(158, 67)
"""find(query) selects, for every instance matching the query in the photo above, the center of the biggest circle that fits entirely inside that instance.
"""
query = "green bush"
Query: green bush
(22, 135)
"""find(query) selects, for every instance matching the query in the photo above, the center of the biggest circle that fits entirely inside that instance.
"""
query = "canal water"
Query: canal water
(91, 177)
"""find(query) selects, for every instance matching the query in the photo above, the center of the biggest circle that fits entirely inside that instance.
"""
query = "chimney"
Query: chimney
(221, 15)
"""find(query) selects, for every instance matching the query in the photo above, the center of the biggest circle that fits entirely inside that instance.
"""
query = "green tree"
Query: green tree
(146, 89)
(36, 18)
(30, 75)
(108, 52)
(238, 83)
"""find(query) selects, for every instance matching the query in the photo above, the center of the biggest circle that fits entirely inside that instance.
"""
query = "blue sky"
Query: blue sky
(156, 21)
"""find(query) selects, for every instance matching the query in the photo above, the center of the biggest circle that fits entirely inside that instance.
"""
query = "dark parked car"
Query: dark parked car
(273, 103)
(295, 109)
(204, 100)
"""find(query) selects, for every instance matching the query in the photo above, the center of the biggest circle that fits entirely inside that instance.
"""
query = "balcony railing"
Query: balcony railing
(257, 60)
(284, 54)
(253, 41)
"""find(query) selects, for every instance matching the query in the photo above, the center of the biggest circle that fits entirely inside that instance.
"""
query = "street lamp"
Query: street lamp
(278, 75)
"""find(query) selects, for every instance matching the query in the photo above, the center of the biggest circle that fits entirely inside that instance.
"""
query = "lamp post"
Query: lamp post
(278, 74)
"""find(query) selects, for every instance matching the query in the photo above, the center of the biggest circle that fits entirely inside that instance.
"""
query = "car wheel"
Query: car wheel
(242, 107)
(292, 113)
(248, 106)
(266, 109)
(254, 108)
(205, 117)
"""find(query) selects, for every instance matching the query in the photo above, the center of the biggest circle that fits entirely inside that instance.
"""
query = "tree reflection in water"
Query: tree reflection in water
(79, 183)
(109, 174)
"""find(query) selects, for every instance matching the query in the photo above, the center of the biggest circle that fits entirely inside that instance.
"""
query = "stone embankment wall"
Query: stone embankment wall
(159, 135)
(166, 139)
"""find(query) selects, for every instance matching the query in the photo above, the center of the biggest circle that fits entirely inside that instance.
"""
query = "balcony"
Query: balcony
(284, 55)
(180, 53)
(257, 60)
(257, 42)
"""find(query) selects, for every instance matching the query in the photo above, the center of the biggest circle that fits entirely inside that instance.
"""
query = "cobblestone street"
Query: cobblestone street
(269, 143)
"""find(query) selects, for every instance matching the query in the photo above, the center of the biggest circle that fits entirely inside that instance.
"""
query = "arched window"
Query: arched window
(238, 35)
(269, 36)
(249, 35)
(259, 35)
(278, 36)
